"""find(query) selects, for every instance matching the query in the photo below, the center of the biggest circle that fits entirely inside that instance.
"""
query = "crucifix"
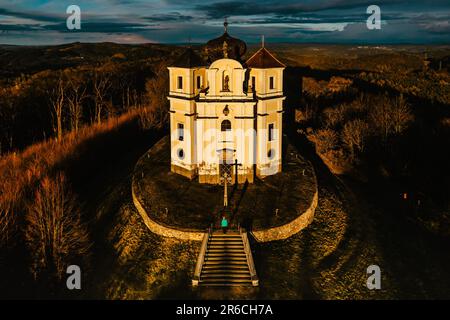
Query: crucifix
(235, 165)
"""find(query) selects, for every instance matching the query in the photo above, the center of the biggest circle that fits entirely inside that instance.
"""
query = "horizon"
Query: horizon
(43, 22)
(250, 44)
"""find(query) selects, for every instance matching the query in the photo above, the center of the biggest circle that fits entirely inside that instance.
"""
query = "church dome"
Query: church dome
(225, 46)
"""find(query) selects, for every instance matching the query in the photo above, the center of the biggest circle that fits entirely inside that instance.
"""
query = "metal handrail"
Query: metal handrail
(248, 254)
(201, 256)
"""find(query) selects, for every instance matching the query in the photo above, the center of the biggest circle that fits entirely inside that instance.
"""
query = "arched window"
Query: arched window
(226, 125)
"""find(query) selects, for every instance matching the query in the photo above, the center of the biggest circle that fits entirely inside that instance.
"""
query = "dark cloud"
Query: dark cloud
(169, 17)
(37, 16)
(313, 18)
(175, 21)
(241, 8)
(100, 27)
(19, 27)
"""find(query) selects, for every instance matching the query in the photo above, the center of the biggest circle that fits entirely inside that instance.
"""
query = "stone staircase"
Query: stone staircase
(227, 261)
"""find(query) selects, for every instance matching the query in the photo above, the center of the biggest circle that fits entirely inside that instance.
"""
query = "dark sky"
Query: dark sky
(28, 22)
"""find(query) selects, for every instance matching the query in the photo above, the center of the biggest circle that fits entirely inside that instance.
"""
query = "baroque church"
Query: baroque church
(226, 113)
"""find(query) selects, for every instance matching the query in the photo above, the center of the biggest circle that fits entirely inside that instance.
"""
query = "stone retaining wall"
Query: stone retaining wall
(271, 234)
(289, 229)
(161, 230)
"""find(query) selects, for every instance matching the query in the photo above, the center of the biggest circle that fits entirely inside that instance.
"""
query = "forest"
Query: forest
(75, 118)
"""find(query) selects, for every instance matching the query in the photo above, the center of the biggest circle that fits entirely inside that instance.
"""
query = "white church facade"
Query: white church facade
(226, 114)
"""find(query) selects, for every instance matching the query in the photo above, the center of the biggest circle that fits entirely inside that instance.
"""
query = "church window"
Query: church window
(180, 131)
(180, 83)
(199, 82)
(226, 125)
(254, 83)
(271, 154)
(271, 83)
(180, 153)
(271, 132)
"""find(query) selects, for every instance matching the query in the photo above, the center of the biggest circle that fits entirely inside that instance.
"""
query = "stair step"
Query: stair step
(226, 258)
(225, 261)
(208, 284)
(226, 255)
(225, 243)
(226, 236)
(226, 271)
(226, 277)
(221, 281)
(231, 250)
(213, 267)
(224, 247)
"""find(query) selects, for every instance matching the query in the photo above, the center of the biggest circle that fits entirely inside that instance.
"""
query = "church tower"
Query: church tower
(266, 81)
(186, 80)
(226, 114)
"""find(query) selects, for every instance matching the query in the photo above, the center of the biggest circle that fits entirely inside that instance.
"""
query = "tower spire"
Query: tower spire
(225, 25)
(262, 41)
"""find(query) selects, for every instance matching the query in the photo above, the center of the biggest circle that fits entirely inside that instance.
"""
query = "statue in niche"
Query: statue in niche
(225, 49)
(226, 83)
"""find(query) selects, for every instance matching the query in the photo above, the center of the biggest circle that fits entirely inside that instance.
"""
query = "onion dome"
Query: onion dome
(189, 59)
(225, 46)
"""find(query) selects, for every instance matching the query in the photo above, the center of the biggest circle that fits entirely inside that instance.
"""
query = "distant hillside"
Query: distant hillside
(17, 60)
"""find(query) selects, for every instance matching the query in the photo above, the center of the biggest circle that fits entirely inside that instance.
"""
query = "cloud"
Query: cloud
(246, 8)
(101, 27)
(175, 21)
(33, 15)
(168, 17)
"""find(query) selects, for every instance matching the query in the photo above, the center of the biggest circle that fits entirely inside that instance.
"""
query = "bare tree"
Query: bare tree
(101, 86)
(7, 118)
(325, 140)
(75, 97)
(354, 136)
(401, 115)
(54, 231)
(8, 202)
(57, 101)
(157, 109)
(380, 115)
(333, 116)
(391, 117)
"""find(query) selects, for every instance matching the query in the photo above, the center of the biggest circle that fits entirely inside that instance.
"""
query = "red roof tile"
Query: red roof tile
(263, 59)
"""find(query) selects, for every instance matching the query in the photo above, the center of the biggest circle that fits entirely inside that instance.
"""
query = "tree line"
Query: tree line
(50, 103)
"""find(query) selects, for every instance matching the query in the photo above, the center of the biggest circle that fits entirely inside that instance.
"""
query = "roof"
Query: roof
(263, 59)
(236, 48)
(189, 59)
